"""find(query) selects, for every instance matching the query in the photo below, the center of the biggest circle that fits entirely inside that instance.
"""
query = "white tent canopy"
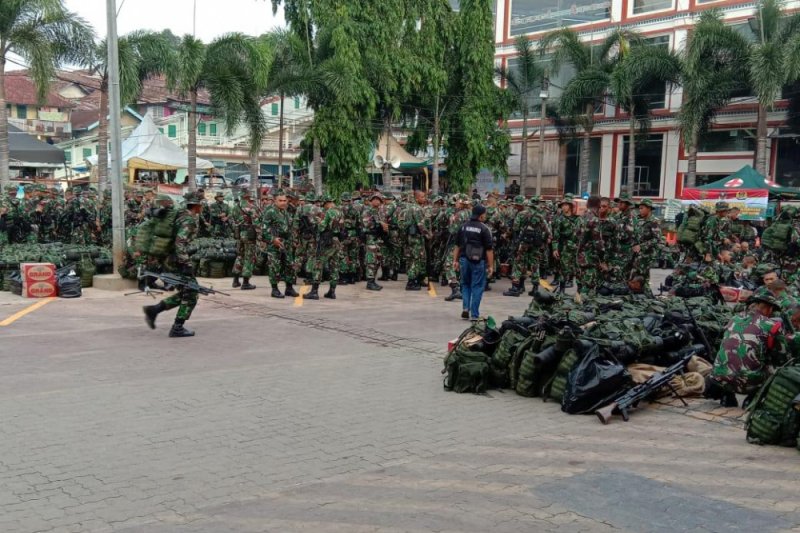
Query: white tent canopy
(147, 148)
(398, 156)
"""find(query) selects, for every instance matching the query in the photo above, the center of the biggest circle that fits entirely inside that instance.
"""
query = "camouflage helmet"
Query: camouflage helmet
(647, 202)
(722, 206)
(568, 199)
(219, 194)
(376, 194)
(325, 198)
(345, 197)
(519, 200)
(161, 197)
(764, 296)
(310, 197)
(389, 196)
(193, 198)
(624, 197)
(245, 193)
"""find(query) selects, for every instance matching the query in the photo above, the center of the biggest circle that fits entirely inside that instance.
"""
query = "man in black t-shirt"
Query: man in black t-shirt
(474, 258)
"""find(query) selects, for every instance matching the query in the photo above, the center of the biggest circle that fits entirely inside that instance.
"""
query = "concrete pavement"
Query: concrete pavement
(331, 416)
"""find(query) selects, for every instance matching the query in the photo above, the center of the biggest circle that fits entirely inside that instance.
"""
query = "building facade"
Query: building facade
(660, 158)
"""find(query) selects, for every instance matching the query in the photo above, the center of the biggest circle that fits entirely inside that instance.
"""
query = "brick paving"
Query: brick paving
(331, 417)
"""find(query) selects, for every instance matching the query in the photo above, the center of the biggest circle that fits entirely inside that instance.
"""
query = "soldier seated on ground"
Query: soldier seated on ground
(753, 344)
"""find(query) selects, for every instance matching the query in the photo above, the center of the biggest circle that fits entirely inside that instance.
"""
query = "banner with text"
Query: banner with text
(752, 203)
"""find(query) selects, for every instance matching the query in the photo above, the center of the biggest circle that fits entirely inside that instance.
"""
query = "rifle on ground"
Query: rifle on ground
(657, 381)
(700, 333)
(178, 281)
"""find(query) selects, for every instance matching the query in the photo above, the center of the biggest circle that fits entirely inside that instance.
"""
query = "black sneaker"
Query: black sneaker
(464, 314)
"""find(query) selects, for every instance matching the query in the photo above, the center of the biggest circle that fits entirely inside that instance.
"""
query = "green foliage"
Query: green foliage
(475, 140)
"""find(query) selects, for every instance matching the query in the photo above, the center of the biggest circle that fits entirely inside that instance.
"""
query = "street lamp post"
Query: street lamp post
(544, 94)
(115, 151)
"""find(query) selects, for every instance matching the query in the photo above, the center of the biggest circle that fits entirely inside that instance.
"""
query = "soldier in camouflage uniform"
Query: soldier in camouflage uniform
(462, 213)
(305, 231)
(376, 227)
(329, 250)
(218, 214)
(622, 258)
(752, 344)
(352, 242)
(715, 232)
(415, 225)
(247, 230)
(591, 253)
(565, 243)
(185, 299)
(276, 225)
(610, 232)
(393, 243)
(533, 236)
(648, 238)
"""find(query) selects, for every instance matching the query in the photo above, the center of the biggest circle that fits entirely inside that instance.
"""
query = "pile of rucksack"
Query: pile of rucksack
(577, 353)
(774, 413)
(690, 230)
(777, 236)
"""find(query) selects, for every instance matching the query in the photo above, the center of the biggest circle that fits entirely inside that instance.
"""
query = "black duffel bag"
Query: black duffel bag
(597, 378)
(69, 285)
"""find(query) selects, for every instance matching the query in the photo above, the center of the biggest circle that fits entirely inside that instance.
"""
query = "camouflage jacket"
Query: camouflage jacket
(565, 233)
(647, 234)
(751, 343)
(277, 223)
(185, 233)
(591, 248)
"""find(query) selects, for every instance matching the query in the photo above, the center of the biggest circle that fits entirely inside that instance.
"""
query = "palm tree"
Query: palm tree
(773, 63)
(589, 86)
(236, 72)
(632, 80)
(142, 54)
(44, 34)
(521, 84)
(186, 75)
(715, 65)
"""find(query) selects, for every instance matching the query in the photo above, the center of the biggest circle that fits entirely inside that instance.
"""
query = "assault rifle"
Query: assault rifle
(178, 281)
(631, 398)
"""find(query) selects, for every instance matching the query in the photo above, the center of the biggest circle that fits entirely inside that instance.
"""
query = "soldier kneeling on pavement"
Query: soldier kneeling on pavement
(754, 343)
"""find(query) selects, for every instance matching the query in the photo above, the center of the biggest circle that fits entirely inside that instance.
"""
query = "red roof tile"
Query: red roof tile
(155, 91)
(21, 90)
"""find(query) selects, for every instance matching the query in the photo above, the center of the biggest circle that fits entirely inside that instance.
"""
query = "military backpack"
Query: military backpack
(777, 236)
(773, 417)
(156, 236)
(690, 228)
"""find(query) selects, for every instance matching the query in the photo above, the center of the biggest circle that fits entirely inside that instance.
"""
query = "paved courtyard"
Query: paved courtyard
(331, 416)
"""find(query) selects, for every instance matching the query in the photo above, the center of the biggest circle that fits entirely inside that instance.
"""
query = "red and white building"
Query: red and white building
(661, 160)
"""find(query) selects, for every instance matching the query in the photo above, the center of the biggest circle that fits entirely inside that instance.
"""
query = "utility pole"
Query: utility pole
(115, 152)
(544, 94)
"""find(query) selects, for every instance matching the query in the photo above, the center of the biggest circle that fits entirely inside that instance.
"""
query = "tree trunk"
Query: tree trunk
(387, 168)
(280, 146)
(761, 141)
(102, 137)
(523, 155)
(5, 173)
(317, 167)
(631, 157)
(192, 148)
(583, 180)
(436, 144)
(255, 170)
(691, 166)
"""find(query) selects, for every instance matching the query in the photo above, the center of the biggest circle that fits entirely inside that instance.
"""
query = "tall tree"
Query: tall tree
(186, 75)
(522, 83)
(475, 140)
(715, 65)
(45, 35)
(640, 70)
(142, 54)
(589, 87)
(773, 64)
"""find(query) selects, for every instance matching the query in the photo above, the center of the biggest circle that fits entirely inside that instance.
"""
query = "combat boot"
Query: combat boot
(276, 293)
(384, 275)
(313, 294)
(331, 294)
(290, 292)
(443, 282)
(513, 291)
(413, 285)
(372, 286)
(179, 331)
(562, 287)
(236, 283)
(522, 286)
(533, 290)
(487, 287)
(455, 293)
(151, 312)
(247, 286)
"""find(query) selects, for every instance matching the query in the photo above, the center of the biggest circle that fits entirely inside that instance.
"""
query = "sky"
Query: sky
(214, 17)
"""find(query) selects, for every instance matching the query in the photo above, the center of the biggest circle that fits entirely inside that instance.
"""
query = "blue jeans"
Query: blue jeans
(473, 281)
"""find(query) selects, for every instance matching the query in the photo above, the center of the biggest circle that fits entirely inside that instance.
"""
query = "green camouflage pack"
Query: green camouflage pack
(772, 417)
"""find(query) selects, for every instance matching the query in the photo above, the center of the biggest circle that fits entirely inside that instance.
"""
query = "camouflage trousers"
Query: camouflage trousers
(527, 263)
(373, 256)
(589, 279)
(453, 278)
(393, 251)
(416, 262)
(306, 247)
(82, 235)
(641, 266)
(328, 259)
(185, 300)
(350, 263)
(567, 263)
(280, 265)
(246, 257)
(3, 238)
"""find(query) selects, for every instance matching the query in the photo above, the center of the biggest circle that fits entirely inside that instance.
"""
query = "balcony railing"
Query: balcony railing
(42, 127)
